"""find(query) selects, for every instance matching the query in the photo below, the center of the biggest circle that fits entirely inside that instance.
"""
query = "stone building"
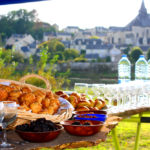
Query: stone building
(136, 33)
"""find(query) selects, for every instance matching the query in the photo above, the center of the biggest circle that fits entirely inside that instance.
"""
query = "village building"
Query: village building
(136, 33)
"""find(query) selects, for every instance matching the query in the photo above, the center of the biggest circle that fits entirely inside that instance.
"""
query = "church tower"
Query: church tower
(143, 10)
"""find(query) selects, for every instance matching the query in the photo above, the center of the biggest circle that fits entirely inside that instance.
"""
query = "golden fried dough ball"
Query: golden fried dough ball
(76, 95)
(39, 93)
(26, 90)
(51, 110)
(73, 101)
(55, 103)
(39, 99)
(15, 86)
(27, 98)
(7, 88)
(15, 93)
(36, 107)
(50, 94)
(55, 96)
(45, 103)
(14, 99)
(83, 108)
(24, 107)
(3, 94)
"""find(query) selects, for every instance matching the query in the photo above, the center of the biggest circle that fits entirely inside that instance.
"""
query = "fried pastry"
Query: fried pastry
(83, 108)
(16, 93)
(27, 98)
(84, 103)
(98, 104)
(73, 101)
(65, 96)
(3, 94)
(15, 86)
(76, 95)
(36, 107)
(59, 93)
(45, 103)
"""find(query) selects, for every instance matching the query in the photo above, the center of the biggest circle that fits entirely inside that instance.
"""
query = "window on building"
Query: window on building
(147, 32)
(119, 40)
(112, 40)
(148, 41)
(141, 41)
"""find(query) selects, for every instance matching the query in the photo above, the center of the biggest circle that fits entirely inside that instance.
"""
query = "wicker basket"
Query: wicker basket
(26, 116)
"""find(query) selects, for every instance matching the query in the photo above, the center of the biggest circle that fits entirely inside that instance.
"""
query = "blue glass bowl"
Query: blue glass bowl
(95, 117)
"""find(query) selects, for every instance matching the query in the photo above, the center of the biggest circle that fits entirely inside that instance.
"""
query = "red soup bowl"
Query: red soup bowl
(40, 136)
(81, 129)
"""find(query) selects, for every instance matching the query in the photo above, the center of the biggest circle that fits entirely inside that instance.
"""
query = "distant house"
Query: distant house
(64, 36)
(94, 48)
(115, 54)
(48, 36)
(22, 43)
(67, 44)
(102, 50)
(71, 29)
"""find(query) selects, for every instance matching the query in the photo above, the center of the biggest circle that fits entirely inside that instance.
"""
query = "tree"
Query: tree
(135, 53)
(127, 50)
(71, 54)
(148, 54)
(53, 46)
(94, 37)
(22, 22)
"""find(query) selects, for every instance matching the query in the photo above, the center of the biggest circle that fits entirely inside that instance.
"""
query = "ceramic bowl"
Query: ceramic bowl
(82, 130)
(40, 136)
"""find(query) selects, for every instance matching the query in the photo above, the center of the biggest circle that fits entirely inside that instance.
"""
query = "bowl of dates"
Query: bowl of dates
(41, 130)
(82, 127)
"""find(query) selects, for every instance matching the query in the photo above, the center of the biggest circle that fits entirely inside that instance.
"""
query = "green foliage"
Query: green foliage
(18, 57)
(148, 54)
(7, 66)
(94, 37)
(54, 47)
(108, 59)
(83, 52)
(80, 59)
(22, 22)
(135, 53)
(71, 54)
(127, 50)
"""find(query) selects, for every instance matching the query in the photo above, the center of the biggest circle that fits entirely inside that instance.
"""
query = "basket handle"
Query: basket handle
(24, 78)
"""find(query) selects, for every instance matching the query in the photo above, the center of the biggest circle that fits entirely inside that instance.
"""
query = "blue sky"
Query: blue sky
(83, 13)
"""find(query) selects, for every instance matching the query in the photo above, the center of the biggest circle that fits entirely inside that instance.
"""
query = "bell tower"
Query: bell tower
(143, 10)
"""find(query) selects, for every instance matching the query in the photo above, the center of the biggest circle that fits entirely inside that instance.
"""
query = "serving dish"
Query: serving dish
(81, 129)
(40, 136)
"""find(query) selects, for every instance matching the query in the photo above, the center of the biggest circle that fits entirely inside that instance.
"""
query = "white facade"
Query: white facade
(102, 53)
(115, 54)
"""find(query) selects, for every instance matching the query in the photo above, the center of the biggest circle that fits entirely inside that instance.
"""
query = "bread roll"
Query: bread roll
(83, 108)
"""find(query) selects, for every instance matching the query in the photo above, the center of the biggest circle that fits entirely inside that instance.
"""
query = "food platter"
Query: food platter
(66, 104)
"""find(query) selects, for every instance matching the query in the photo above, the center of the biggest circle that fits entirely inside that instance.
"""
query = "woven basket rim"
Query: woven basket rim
(22, 114)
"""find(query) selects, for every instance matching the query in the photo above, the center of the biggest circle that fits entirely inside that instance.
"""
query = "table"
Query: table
(129, 116)
(65, 140)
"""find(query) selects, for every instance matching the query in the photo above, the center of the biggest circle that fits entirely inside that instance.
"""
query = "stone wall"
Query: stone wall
(88, 66)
